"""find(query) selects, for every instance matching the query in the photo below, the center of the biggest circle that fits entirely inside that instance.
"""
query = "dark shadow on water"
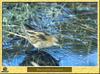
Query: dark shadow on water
(41, 58)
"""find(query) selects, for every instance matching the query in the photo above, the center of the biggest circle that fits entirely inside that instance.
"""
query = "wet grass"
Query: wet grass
(79, 31)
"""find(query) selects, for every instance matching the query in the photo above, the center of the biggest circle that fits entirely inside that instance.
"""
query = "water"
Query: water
(75, 29)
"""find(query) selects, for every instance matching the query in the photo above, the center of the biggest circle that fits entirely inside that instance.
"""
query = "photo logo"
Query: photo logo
(5, 69)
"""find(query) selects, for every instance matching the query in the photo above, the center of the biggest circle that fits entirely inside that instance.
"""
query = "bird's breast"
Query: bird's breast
(42, 44)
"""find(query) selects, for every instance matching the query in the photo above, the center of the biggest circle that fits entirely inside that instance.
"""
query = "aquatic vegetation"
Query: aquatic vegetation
(74, 25)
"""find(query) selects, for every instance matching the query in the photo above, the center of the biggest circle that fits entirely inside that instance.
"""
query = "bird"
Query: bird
(37, 38)
(40, 39)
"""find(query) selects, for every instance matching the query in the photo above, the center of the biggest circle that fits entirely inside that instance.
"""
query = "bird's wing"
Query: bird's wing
(35, 35)
(38, 35)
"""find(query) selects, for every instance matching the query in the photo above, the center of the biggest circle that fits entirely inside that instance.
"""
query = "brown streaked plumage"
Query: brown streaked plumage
(40, 39)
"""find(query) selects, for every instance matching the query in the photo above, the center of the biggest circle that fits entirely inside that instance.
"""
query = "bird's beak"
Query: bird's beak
(57, 44)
